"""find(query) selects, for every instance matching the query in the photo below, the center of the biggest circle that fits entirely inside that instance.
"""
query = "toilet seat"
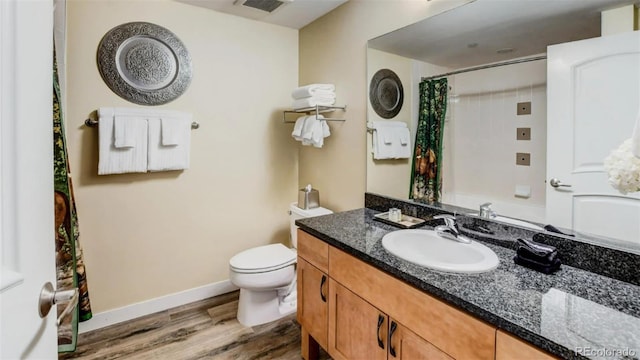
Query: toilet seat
(262, 259)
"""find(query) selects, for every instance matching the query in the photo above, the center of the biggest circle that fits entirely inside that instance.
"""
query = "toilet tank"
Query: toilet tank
(296, 213)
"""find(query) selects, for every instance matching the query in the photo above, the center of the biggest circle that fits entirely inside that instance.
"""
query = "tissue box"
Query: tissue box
(308, 199)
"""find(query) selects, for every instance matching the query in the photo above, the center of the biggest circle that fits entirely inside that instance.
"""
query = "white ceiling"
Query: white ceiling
(527, 26)
(294, 13)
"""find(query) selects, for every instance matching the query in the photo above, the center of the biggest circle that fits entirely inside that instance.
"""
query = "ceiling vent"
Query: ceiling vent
(263, 5)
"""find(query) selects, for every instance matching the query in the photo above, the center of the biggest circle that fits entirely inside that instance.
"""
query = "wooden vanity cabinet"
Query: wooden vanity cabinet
(509, 347)
(313, 289)
(368, 314)
(359, 330)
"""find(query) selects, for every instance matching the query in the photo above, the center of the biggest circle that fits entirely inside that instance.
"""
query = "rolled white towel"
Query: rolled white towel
(311, 90)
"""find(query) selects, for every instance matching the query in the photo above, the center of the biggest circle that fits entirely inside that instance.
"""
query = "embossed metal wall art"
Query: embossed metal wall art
(144, 63)
(386, 93)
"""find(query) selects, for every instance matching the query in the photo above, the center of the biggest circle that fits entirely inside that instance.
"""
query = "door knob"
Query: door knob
(557, 183)
(50, 297)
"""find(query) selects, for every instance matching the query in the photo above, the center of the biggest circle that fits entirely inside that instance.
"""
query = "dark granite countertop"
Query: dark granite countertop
(574, 313)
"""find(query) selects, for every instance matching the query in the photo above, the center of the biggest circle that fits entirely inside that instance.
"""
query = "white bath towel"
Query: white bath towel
(390, 140)
(312, 89)
(402, 146)
(113, 160)
(163, 158)
(176, 128)
(635, 138)
(312, 102)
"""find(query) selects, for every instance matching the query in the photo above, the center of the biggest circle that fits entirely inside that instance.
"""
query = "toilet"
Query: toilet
(266, 276)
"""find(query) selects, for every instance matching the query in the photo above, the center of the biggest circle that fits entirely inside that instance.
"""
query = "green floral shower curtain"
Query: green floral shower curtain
(70, 269)
(426, 174)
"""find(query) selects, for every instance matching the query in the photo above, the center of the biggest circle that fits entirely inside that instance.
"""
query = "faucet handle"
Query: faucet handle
(449, 220)
(485, 205)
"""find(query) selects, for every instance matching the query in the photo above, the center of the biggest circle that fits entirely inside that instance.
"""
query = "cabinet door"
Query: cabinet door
(312, 302)
(357, 330)
(406, 345)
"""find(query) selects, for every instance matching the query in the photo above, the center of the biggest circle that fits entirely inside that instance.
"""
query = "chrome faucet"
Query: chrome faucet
(450, 230)
(486, 211)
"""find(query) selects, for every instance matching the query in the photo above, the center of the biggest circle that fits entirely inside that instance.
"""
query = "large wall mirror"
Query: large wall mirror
(494, 113)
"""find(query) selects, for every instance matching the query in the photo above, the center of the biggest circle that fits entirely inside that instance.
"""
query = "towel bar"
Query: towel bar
(318, 109)
(94, 123)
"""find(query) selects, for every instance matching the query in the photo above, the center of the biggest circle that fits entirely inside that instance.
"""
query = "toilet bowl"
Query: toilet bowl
(266, 276)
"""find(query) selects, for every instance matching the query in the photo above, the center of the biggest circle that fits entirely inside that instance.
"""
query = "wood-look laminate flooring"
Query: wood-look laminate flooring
(206, 329)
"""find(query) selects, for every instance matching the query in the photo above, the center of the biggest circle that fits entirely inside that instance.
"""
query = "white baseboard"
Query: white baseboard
(151, 306)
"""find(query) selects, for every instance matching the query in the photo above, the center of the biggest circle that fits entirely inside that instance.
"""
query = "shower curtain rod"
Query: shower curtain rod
(488, 66)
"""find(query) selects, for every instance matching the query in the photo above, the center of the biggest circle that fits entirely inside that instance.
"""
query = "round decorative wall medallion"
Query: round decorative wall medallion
(144, 63)
(386, 93)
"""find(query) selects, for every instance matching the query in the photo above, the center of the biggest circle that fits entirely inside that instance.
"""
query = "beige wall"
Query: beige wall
(389, 177)
(333, 50)
(148, 235)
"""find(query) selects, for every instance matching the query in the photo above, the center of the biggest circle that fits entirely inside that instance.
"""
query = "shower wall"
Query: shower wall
(480, 142)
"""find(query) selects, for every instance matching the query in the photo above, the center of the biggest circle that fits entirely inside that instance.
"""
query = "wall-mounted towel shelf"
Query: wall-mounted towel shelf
(94, 123)
(317, 110)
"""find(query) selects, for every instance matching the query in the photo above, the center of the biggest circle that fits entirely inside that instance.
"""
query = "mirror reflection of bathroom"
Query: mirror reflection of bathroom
(502, 139)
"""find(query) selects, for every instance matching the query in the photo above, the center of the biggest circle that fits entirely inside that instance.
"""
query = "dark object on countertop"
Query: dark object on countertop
(537, 249)
(546, 269)
(554, 229)
(537, 256)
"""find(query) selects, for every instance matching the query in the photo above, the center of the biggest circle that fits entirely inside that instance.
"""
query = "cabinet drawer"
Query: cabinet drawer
(455, 332)
(509, 347)
(314, 250)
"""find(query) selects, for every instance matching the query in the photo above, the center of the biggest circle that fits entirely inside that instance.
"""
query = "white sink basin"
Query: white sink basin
(428, 249)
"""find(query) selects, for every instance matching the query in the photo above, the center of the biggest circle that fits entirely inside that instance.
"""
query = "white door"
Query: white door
(26, 179)
(593, 96)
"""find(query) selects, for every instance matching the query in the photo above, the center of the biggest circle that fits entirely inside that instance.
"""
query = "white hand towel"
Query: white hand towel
(388, 138)
(320, 131)
(307, 130)
(176, 129)
(311, 102)
(312, 89)
(113, 160)
(635, 138)
(297, 128)
(402, 146)
(164, 158)
(124, 129)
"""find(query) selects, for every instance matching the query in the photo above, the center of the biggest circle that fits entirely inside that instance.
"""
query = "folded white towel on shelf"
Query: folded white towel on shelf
(313, 89)
(176, 128)
(390, 140)
(114, 160)
(312, 102)
(166, 157)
